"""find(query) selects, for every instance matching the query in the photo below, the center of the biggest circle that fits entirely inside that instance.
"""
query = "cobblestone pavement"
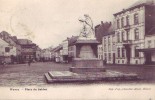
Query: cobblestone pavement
(147, 73)
(24, 75)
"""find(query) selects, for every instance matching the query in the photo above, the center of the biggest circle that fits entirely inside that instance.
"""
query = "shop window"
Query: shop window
(136, 52)
(122, 61)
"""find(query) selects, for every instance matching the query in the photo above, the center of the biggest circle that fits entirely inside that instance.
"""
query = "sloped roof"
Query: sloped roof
(136, 4)
(25, 41)
(87, 41)
(146, 2)
(72, 40)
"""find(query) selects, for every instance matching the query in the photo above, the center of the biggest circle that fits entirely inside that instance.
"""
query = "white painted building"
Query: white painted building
(109, 45)
(132, 25)
(64, 51)
(6, 51)
(100, 51)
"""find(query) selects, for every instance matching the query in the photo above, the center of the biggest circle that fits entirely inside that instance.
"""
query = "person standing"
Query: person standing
(29, 62)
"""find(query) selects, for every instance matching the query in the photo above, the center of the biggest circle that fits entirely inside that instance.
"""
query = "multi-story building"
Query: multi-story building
(100, 51)
(100, 31)
(72, 48)
(132, 25)
(10, 49)
(149, 48)
(28, 51)
(65, 50)
(38, 53)
(109, 45)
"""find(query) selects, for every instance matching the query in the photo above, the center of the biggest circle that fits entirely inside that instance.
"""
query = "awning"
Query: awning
(146, 50)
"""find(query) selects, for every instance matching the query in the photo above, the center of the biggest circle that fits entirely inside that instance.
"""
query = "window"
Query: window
(105, 40)
(118, 37)
(118, 23)
(136, 34)
(136, 20)
(109, 39)
(7, 49)
(127, 20)
(113, 47)
(113, 38)
(118, 50)
(118, 61)
(127, 35)
(123, 36)
(149, 44)
(105, 56)
(109, 56)
(109, 48)
(136, 52)
(105, 48)
(123, 53)
(122, 21)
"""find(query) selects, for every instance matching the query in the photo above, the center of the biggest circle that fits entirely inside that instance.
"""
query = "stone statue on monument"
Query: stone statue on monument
(87, 31)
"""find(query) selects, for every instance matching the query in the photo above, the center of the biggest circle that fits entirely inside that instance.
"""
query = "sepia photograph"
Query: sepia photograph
(77, 49)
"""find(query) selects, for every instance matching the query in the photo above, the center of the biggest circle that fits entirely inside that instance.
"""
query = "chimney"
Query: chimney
(102, 23)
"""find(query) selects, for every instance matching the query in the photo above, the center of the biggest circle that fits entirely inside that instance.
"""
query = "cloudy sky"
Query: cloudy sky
(49, 22)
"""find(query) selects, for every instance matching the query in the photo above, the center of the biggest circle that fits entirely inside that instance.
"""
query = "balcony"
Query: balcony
(127, 27)
(126, 42)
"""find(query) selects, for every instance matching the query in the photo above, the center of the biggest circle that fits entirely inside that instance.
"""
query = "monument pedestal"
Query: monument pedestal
(86, 57)
(87, 65)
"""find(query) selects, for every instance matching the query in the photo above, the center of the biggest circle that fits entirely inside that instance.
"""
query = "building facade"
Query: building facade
(28, 50)
(64, 51)
(100, 51)
(109, 45)
(132, 25)
(10, 49)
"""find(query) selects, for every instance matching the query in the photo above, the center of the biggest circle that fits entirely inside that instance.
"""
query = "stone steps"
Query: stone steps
(66, 76)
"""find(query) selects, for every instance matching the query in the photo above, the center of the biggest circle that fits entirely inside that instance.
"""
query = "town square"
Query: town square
(77, 49)
(24, 75)
(121, 49)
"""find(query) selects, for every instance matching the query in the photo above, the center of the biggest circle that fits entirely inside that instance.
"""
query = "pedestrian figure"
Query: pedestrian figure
(29, 62)
(4, 63)
(105, 61)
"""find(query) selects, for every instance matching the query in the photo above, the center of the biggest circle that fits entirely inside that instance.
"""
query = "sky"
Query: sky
(49, 22)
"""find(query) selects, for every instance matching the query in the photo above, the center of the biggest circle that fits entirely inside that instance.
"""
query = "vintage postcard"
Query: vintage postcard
(77, 50)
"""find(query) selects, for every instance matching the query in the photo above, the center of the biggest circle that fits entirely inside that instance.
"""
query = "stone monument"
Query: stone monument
(86, 50)
(86, 66)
